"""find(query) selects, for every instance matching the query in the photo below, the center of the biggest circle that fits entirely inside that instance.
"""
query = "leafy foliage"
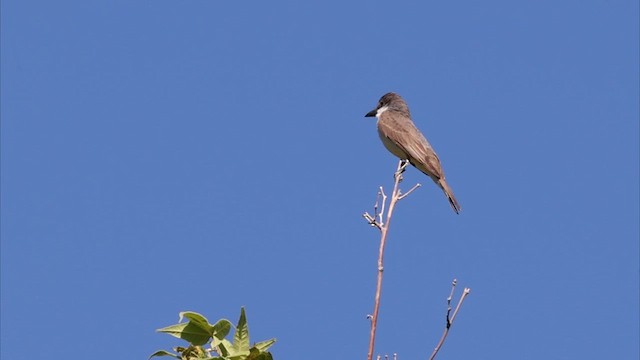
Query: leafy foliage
(199, 332)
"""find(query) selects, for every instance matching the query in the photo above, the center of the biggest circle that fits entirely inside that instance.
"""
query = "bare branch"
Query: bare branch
(453, 288)
(409, 192)
(371, 220)
(378, 210)
(384, 228)
(402, 165)
(384, 202)
(449, 323)
(377, 220)
(465, 293)
(376, 206)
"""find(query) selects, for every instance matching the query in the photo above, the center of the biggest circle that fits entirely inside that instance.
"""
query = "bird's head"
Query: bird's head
(389, 101)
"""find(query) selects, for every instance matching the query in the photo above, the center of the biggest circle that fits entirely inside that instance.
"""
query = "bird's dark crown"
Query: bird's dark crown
(394, 102)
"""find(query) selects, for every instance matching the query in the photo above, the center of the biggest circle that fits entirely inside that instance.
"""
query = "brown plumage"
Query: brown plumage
(403, 139)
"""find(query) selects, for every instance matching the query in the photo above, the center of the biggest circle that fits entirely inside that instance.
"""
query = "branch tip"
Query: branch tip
(410, 191)
(449, 320)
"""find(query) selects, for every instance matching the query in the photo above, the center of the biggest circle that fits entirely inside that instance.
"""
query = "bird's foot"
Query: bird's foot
(403, 165)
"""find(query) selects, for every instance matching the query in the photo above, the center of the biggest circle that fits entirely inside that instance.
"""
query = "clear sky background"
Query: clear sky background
(161, 156)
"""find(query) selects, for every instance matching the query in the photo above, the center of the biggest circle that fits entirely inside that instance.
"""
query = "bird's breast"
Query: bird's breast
(391, 145)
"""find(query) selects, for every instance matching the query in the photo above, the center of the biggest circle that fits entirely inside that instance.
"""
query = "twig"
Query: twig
(371, 219)
(465, 293)
(453, 288)
(450, 321)
(384, 202)
(376, 221)
(384, 228)
(409, 192)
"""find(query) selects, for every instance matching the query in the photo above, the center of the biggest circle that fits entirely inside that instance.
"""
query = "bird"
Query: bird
(403, 139)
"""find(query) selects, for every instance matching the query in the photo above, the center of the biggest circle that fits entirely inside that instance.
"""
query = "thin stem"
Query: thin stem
(449, 321)
(384, 202)
(465, 293)
(395, 195)
(409, 192)
(453, 288)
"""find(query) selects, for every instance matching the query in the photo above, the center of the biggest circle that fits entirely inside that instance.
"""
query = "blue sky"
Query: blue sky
(162, 156)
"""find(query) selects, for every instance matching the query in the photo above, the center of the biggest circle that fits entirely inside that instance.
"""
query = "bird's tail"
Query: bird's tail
(452, 199)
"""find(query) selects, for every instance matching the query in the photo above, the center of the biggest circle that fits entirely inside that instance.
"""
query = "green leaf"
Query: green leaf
(261, 356)
(265, 356)
(189, 332)
(197, 320)
(221, 328)
(164, 353)
(253, 353)
(241, 337)
(264, 345)
(197, 331)
(239, 357)
(223, 345)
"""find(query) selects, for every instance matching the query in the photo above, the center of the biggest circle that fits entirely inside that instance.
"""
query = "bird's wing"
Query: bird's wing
(409, 139)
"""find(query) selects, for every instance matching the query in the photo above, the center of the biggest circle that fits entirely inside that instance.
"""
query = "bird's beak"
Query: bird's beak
(372, 113)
